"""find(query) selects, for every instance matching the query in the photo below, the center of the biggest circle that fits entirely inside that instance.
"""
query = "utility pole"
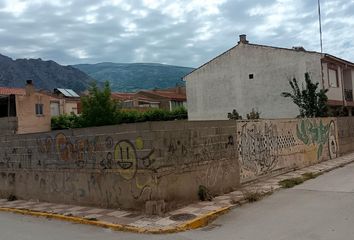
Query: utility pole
(320, 23)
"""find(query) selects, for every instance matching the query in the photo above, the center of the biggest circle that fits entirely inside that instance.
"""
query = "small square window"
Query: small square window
(39, 109)
(251, 76)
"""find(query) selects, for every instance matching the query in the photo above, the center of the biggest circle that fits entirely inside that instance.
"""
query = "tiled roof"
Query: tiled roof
(122, 96)
(169, 95)
(9, 91)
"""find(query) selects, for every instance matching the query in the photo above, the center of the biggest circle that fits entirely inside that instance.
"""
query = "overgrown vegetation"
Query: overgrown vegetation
(253, 115)
(252, 196)
(292, 182)
(204, 194)
(11, 198)
(311, 101)
(99, 109)
(234, 115)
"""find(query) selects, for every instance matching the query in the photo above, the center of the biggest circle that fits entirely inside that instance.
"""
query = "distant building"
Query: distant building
(167, 99)
(64, 101)
(254, 76)
(24, 110)
(27, 110)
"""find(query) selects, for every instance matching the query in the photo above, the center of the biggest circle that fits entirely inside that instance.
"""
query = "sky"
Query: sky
(177, 32)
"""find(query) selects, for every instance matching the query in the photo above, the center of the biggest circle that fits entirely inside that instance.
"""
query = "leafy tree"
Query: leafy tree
(253, 115)
(311, 101)
(234, 115)
(98, 108)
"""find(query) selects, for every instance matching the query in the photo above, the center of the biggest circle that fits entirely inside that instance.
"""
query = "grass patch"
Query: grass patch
(204, 194)
(292, 182)
(252, 196)
(310, 175)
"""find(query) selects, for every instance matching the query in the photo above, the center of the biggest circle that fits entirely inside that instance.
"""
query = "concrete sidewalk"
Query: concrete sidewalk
(189, 217)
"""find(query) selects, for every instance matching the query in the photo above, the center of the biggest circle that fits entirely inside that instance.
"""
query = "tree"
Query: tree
(98, 108)
(311, 101)
(234, 115)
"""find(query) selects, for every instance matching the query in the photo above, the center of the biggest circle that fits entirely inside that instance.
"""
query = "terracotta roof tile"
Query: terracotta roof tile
(122, 96)
(9, 91)
(169, 95)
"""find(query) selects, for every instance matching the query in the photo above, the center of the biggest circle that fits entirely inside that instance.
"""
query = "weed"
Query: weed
(310, 175)
(11, 198)
(291, 182)
(252, 195)
(204, 194)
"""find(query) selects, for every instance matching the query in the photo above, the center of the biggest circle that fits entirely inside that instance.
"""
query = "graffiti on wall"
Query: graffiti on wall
(260, 145)
(318, 134)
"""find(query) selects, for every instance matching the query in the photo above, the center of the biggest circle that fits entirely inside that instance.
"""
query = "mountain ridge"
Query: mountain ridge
(131, 77)
(45, 74)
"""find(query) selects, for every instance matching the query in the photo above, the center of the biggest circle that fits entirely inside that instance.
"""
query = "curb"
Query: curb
(192, 224)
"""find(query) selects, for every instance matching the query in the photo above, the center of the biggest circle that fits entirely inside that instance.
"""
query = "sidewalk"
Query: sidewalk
(190, 217)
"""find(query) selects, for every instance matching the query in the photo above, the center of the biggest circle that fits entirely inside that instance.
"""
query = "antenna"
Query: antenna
(320, 23)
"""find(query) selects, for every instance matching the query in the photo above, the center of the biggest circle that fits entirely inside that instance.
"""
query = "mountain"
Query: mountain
(45, 74)
(130, 77)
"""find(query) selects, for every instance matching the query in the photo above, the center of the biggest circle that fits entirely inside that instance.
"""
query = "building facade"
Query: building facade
(167, 99)
(250, 76)
(25, 109)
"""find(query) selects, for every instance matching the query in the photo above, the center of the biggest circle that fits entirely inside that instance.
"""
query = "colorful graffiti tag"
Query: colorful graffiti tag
(312, 132)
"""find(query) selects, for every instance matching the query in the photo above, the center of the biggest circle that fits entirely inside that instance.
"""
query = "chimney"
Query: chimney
(29, 87)
(243, 39)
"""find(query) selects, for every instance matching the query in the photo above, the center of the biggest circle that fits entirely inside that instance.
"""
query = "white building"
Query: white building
(254, 76)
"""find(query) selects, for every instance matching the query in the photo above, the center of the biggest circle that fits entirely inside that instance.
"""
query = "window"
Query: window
(251, 76)
(39, 109)
(333, 76)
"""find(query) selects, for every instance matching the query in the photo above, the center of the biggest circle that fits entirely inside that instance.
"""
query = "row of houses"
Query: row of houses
(27, 110)
(247, 76)
(252, 76)
(167, 99)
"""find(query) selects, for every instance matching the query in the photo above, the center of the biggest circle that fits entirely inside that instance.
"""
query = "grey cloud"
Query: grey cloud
(88, 31)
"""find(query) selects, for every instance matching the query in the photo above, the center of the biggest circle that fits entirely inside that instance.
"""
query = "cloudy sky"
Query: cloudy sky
(178, 32)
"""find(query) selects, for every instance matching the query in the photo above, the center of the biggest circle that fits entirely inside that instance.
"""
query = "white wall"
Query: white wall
(222, 85)
(334, 93)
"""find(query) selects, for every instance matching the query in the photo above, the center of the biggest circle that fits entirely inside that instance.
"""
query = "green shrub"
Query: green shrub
(121, 116)
(253, 115)
(66, 122)
(234, 115)
(204, 194)
(179, 113)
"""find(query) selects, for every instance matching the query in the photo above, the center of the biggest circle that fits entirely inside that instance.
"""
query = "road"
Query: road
(322, 208)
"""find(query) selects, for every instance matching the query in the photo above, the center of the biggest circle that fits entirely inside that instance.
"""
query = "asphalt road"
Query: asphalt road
(320, 209)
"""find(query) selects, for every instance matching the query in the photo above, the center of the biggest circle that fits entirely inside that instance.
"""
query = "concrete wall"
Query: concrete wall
(346, 134)
(223, 84)
(275, 146)
(122, 166)
(162, 164)
(8, 125)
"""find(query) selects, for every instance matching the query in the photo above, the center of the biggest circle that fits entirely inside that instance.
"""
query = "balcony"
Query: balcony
(348, 93)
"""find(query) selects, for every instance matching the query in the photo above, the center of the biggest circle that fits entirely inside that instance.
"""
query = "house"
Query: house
(167, 99)
(251, 76)
(64, 101)
(24, 110)
(132, 100)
